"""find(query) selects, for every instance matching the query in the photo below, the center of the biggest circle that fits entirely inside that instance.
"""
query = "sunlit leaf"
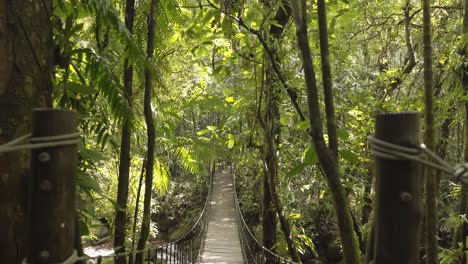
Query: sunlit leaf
(231, 143)
(203, 132)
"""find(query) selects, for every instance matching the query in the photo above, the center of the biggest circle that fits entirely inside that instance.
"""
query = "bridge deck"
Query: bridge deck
(222, 244)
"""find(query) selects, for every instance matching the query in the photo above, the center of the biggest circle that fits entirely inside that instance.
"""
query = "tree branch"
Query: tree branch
(290, 91)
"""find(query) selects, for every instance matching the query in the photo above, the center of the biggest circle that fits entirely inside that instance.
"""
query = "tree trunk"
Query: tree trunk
(25, 83)
(136, 212)
(327, 80)
(282, 17)
(124, 165)
(268, 214)
(464, 188)
(272, 133)
(326, 160)
(269, 160)
(432, 184)
(367, 208)
(145, 226)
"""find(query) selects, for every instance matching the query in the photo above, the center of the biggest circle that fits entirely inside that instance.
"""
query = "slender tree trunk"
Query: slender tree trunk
(464, 188)
(329, 102)
(268, 215)
(367, 208)
(326, 160)
(124, 165)
(145, 226)
(327, 79)
(432, 184)
(270, 168)
(26, 67)
(272, 133)
(273, 130)
(135, 214)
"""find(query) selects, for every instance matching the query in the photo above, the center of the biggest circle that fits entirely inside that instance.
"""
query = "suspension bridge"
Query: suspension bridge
(219, 235)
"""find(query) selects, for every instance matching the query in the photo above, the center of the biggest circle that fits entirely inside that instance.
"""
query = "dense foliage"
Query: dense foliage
(229, 84)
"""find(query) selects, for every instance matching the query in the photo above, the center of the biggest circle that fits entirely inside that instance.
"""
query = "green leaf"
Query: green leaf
(162, 175)
(349, 155)
(294, 216)
(212, 128)
(231, 143)
(91, 154)
(87, 182)
(310, 156)
(203, 132)
(342, 134)
(230, 99)
(84, 229)
(296, 170)
(303, 125)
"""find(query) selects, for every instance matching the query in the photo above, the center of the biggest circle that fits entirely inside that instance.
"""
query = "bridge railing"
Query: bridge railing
(252, 249)
(186, 249)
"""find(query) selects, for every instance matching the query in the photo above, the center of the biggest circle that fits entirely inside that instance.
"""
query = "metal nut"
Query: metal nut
(44, 157)
(405, 197)
(45, 185)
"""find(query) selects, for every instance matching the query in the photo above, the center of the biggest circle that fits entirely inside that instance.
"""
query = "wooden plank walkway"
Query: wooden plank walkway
(222, 244)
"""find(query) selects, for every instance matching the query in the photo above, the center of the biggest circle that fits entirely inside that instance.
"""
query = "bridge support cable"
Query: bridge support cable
(253, 250)
(186, 249)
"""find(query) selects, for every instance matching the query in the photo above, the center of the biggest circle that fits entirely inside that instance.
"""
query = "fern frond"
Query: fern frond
(162, 174)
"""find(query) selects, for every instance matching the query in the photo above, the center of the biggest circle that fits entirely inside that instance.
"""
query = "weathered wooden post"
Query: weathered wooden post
(53, 187)
(398, 204)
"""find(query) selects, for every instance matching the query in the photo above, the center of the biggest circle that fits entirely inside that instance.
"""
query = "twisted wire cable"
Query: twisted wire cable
(40, 142)
(418, 153)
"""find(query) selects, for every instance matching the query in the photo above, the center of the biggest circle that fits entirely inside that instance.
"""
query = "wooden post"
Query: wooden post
(53, 189)
(398, 203)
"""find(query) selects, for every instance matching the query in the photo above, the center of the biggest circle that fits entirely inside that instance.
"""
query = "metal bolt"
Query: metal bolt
(405, 197)
(44, 157)
(44, 255)
(45, 185)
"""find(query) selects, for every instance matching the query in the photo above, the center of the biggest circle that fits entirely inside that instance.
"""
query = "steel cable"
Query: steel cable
(418, 153)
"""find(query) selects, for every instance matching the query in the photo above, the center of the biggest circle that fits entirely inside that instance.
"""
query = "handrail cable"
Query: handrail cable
(40, 142)
(383, 149)
(172, 244)
(252, 237)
